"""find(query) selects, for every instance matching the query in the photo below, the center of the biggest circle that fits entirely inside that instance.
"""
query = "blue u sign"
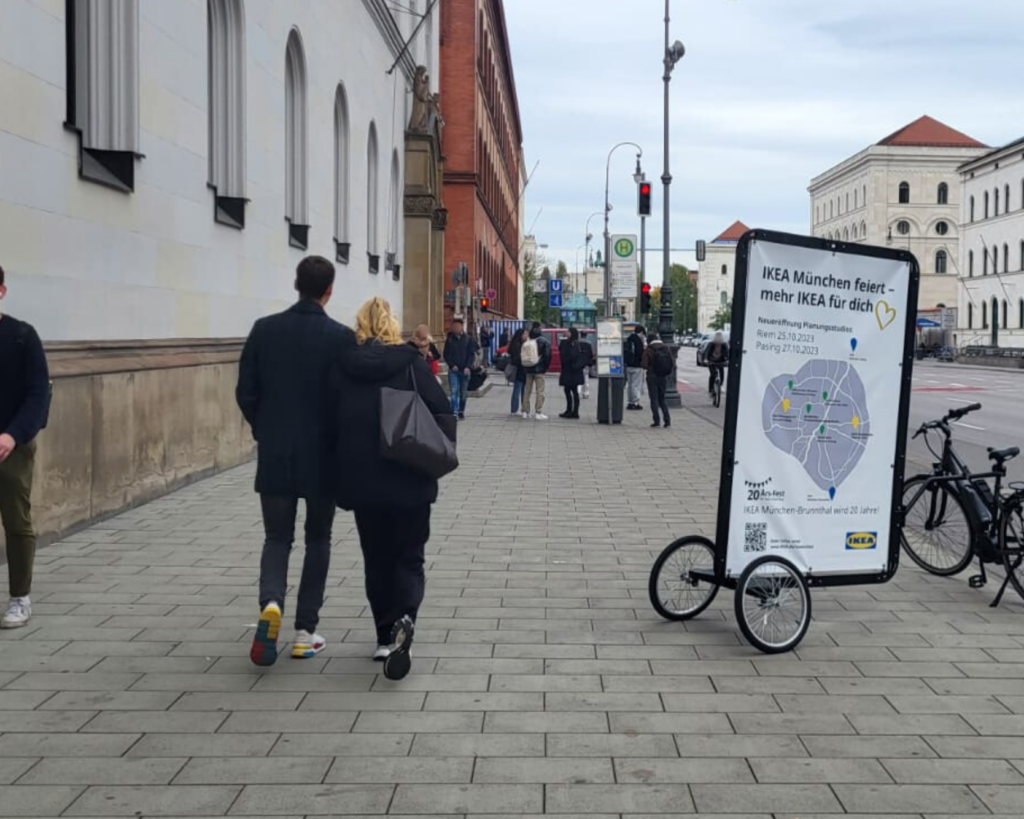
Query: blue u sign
(555, 286)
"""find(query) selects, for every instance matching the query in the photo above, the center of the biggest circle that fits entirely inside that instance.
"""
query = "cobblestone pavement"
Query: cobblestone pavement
(542, 683)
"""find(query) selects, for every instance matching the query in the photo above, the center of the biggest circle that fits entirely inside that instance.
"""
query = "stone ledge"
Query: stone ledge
(68, 359)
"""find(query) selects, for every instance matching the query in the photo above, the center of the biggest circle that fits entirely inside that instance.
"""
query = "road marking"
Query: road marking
(948, 389)
(969, 426)
(683, 381)
(961, 400)
(954, 384)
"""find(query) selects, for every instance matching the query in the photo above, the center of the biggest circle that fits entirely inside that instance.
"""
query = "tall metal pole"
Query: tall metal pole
(643, 255)
(608, 311)
(665, 329)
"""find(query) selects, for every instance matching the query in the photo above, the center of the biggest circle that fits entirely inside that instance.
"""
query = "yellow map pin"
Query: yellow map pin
(785, 405)
(855, 421)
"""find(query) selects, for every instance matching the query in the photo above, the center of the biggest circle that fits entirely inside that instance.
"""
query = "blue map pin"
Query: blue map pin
(831, 493)
(853, 344)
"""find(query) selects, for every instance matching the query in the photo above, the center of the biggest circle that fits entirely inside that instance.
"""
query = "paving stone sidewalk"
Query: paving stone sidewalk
(543, 683)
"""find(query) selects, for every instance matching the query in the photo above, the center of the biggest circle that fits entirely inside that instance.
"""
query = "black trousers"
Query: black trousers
(712, 369)
(279, 526)
(393, 542)
(657, 386)
(572, 400)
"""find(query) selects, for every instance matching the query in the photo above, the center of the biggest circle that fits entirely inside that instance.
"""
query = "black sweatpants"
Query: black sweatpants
(393, 542)
(572, 400)
(657, 386)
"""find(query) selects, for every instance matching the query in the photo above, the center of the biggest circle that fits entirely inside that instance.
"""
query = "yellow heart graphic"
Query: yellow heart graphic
(884, 314)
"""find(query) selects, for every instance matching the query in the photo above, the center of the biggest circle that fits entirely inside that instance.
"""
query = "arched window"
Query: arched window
(943, 195)
(855, 205)
(1006, 200)
(940, 261)
(904, 193)
(846, 234)
(984, 262)
(984, 315)
(723, 298)
(1006, 258)
(831, 209)
(853, 232)
(972, 209)
(865, 197)
(1020, 313)
(986, 206)
(970, 316)
(725, 269)
(394, 215)
(863, 230)
(847, 202)
(296, 143)
(225, 59)
(102, 82)
(372, 199)
(995, 201)
(970, 264)
(342, 246)
(995, 258)
(1006, 308)
(1022, 254)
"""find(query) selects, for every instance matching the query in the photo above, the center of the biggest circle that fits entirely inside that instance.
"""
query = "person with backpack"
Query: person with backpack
(571, 378)
(536, 358)
(24, 405)
(632, 356)
(657, 362)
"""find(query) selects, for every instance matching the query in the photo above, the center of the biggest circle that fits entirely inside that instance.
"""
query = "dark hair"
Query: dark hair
(313, 276)
(1, 277)
(574, 334)
(535, 325)
(640, 329)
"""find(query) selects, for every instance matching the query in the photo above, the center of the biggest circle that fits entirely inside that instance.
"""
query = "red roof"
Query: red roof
(930, 133)
(733, 233)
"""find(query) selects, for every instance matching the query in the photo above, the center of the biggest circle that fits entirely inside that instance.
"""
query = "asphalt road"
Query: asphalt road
(937, 389)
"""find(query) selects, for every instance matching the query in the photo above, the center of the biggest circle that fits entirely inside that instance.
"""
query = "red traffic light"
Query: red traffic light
(645, 288)
(485, 305)
(645, 188)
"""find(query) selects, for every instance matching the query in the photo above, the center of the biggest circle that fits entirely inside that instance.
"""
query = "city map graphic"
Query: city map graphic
(820, 417)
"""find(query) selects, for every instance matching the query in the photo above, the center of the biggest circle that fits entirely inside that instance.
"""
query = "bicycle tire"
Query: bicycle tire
(943, 554)
(1013, 557)
(770, 582)
(703, 593)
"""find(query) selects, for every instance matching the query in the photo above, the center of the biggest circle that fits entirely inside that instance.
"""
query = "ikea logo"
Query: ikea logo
(861, 540)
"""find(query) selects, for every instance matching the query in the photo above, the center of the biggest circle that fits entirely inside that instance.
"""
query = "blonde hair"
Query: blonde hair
(374, 321)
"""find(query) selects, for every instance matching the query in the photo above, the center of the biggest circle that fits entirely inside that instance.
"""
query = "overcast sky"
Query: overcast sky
(769, 94)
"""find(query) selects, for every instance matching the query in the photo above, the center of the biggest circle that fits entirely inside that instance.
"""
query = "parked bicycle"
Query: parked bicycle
(951, 515)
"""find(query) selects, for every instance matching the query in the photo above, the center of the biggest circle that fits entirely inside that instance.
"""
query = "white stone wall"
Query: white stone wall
(1004, 230)
(712, 282)
(87, 262)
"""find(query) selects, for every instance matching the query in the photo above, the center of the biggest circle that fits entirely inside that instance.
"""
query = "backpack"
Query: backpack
(662, 363)
(530, 354)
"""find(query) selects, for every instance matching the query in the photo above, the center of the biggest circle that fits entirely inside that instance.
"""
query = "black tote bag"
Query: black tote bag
(410, 435)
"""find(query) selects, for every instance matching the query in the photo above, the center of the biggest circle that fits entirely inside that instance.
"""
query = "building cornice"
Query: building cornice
(889, 155)
(993, 156)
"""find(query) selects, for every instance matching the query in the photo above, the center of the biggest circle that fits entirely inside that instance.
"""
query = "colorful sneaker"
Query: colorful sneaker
(381, 654)
(398, 661)
(307, 645)
(19, 610)
(264, 642)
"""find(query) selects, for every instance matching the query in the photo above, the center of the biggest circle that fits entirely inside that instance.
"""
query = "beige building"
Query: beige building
(717, 274)
(902, 192)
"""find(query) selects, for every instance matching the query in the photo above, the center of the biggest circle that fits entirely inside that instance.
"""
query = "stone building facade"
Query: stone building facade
(717, 274)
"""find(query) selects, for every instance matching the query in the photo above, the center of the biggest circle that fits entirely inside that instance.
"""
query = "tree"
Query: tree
(533, 303)
(684, 299)
(722, 316)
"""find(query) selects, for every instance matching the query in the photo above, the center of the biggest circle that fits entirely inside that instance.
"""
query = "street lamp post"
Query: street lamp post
(576, 281)
(608, 311)
(586, 255)
(673, 54)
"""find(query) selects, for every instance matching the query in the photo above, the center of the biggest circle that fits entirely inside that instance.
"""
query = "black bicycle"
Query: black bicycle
(718, 373)
(951, 515)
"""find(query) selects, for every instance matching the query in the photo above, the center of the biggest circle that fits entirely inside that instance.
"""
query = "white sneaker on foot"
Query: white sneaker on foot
(307, 645)
(540, 416)
(381, 654)
(19, 610)
(524, 414)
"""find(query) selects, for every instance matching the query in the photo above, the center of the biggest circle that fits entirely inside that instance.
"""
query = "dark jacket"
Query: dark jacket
(717, 355)
(647, 362)
(573, 363)
(459, 351)
(24, 381)
(544, 348)
(515, 356)
(634, 350)
(284, 392)
(365, 477)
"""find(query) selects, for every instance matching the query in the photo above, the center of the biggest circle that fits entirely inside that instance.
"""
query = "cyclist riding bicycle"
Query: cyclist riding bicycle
(716, 358)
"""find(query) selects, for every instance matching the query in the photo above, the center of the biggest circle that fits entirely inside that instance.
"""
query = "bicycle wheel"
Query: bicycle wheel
(718, 393)
(936, 531)
(674, 592)
(773, 605)
(1011, 543)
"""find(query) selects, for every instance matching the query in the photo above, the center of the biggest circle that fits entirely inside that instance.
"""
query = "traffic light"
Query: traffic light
(645, 298)
(643, 198)
(485, 305)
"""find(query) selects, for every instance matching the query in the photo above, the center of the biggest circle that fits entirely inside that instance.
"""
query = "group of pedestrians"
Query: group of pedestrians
(650, 358)
(311, 390)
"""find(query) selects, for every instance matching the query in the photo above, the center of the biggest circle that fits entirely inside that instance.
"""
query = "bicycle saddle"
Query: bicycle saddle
(1000, 455)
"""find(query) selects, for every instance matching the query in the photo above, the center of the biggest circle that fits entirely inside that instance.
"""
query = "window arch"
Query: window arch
(970, 264)
(904, 197)
(846, 234)
(342, 245)
(865, 196)
(394, 215)
(995, 202)
(995, 258)
(1022, 254)
(725, 269)
(984, 261)
(296, 143)
(1006, 200)
(226, 109)
(863, 230)
(984, 315)
(1020, 313)
(723, 298)
(970, 316)
(855, 205)
(986, 206)
(972, 209)
(1006, 309)
(940, 261)
(831, 209)
(847, 201)
(853, 231)
(943, 194)
(1006, 258)
(372, 199)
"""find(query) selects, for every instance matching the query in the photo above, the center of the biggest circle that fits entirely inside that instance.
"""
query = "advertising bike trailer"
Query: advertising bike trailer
(822, 349)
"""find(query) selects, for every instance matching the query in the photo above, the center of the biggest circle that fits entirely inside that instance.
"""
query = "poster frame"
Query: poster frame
(735, 380)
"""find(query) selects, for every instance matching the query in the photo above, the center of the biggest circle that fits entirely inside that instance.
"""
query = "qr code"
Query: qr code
(755, 537)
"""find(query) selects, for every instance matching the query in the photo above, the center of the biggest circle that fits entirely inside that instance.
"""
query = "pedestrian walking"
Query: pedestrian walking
(486, 337)
(515, 359)
(588, 355)
(459, 353)
(424, 344)
(391, 500)
(24, 406)
(284, 393)
(657, 362)
(536, 358)
(632, 358)
(571, 377)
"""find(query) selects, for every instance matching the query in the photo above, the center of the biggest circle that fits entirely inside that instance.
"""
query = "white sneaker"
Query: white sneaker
(381, 654)
(524, 414)
(540, 416)
(586, 393)
(307, 645)
(19, 610)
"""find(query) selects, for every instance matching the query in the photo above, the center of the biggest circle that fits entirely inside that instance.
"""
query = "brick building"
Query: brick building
(482, 143)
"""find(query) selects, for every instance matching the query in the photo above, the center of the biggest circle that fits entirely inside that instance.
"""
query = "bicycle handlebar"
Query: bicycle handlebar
(955, 414)
(943, 423)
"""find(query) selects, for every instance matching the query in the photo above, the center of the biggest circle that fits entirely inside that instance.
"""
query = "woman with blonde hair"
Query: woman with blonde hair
(391, 501)
(424, 343)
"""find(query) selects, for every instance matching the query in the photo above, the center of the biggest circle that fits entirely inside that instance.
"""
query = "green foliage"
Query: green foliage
(722, 316)
(684, 301)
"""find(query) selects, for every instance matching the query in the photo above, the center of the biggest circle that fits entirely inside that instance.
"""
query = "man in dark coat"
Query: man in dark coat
(284, 392)
(459, 354)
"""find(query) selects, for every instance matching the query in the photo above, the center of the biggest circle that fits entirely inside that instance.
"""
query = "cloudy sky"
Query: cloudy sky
(769, 94)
